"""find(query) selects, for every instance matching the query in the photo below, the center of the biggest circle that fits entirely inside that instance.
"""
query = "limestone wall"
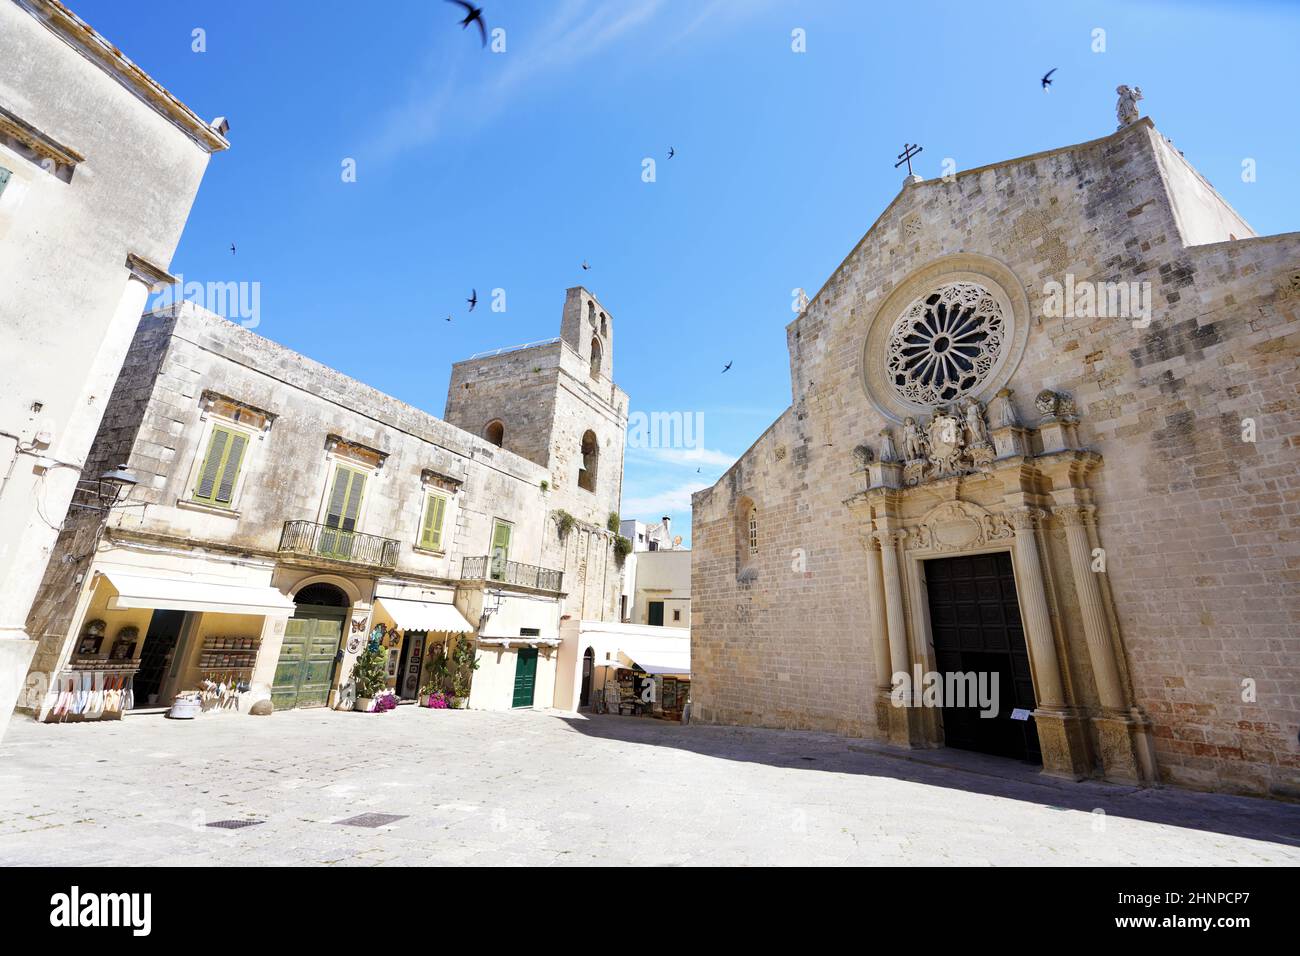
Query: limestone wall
(1198, 526)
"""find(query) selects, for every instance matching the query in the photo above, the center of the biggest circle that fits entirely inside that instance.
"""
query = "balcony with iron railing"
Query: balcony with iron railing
(491, 568)
(309, 539)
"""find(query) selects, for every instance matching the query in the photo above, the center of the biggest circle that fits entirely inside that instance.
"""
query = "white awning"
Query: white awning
(662, 661)
(425, 616)
(182, 594)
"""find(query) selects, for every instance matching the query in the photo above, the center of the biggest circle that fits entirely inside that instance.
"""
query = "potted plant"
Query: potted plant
(385, 701)
(434, 699)
(368, 674)
(464, 662)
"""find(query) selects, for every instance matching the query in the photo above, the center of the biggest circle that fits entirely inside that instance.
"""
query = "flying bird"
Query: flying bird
(232, 248)
(671, 152)
(727, 368)
(1047, 80)
(449, 318)
(585, 267)
(473, 14)
(473, 299)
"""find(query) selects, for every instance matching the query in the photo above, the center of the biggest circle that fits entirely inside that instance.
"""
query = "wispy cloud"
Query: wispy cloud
(562, 38)
(574, 32)
(670, 501)
(684, 456)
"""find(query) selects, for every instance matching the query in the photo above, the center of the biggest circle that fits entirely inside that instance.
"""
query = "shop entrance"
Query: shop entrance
(408, 672)
(525, 676)
(976, 628)
(156, 655)
(304, 673)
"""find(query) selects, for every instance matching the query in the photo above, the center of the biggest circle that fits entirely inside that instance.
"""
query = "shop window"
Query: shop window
(219, 474)
(435, 511)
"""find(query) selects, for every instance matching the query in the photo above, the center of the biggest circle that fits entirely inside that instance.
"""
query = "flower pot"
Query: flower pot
(462, 703)
(364, 704)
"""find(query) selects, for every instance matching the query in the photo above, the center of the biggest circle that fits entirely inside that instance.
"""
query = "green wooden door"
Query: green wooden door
(525, 676)
(305, 671)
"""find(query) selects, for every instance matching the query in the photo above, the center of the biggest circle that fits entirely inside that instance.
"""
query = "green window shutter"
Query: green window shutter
(500, 550)
(501, 539)
(435, 507)
(230, 468)
(345, 499)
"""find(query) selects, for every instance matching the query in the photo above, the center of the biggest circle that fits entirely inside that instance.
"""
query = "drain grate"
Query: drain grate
(371, 820)
(234, 824)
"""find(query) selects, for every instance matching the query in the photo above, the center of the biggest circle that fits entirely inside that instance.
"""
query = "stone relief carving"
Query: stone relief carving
(1126, 110)
(957, 525)
(887, 452)
(1002, 413)
(1054, 405)
(955, 441)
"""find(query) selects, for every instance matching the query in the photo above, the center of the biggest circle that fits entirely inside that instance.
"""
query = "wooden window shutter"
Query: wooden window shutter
(435, 507)
(345, 499)
(230, 468)
(211, 470)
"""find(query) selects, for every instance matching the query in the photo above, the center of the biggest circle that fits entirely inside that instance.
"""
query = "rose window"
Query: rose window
(945, 344)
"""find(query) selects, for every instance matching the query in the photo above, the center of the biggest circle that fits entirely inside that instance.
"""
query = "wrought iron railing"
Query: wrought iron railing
(321, 541)
(490, 568)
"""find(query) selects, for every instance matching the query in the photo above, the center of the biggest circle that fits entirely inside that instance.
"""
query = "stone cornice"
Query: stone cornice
(79, 35)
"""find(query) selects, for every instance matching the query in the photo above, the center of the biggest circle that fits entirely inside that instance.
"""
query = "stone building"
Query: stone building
(656, 576)
(99, 165)
(286, 514)
(1043, 427)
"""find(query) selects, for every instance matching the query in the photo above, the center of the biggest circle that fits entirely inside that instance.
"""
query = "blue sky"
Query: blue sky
(508, 170)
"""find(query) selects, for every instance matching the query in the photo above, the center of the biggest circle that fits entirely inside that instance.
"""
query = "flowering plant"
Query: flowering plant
(384, 701)
(438, 700)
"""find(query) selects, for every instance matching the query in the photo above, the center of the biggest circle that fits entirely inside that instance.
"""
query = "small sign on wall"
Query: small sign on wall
(1020, 713)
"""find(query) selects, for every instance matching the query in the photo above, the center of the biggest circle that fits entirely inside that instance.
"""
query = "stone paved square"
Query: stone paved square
(542, 788)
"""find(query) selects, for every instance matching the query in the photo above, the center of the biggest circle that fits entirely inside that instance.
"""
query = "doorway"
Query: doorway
(525, 677)
(588, 665)
(408, 672)
(304, 674)
(976, 628)
(655, 613)
(157, 653)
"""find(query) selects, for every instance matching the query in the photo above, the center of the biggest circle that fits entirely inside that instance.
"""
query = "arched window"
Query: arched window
(590, 453)
(746, 539)
(604, 327)
(495, 432)
(595, 357)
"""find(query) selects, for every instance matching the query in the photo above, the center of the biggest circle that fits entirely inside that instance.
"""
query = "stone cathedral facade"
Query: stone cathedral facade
(1043, 429)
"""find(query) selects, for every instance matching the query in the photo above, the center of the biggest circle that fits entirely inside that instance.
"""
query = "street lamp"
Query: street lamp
(109, 490)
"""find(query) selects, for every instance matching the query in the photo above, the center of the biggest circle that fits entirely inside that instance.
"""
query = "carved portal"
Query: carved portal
(965, 485)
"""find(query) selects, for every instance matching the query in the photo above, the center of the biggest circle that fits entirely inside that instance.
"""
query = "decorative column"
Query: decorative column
(904, 727)
(1059, 734)
(1095, 627)
(1031, 592)
(1118, 727)
(879, 632)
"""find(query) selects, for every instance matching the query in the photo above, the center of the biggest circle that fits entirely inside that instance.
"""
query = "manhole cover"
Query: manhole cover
(372, 820)
(234, 824)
